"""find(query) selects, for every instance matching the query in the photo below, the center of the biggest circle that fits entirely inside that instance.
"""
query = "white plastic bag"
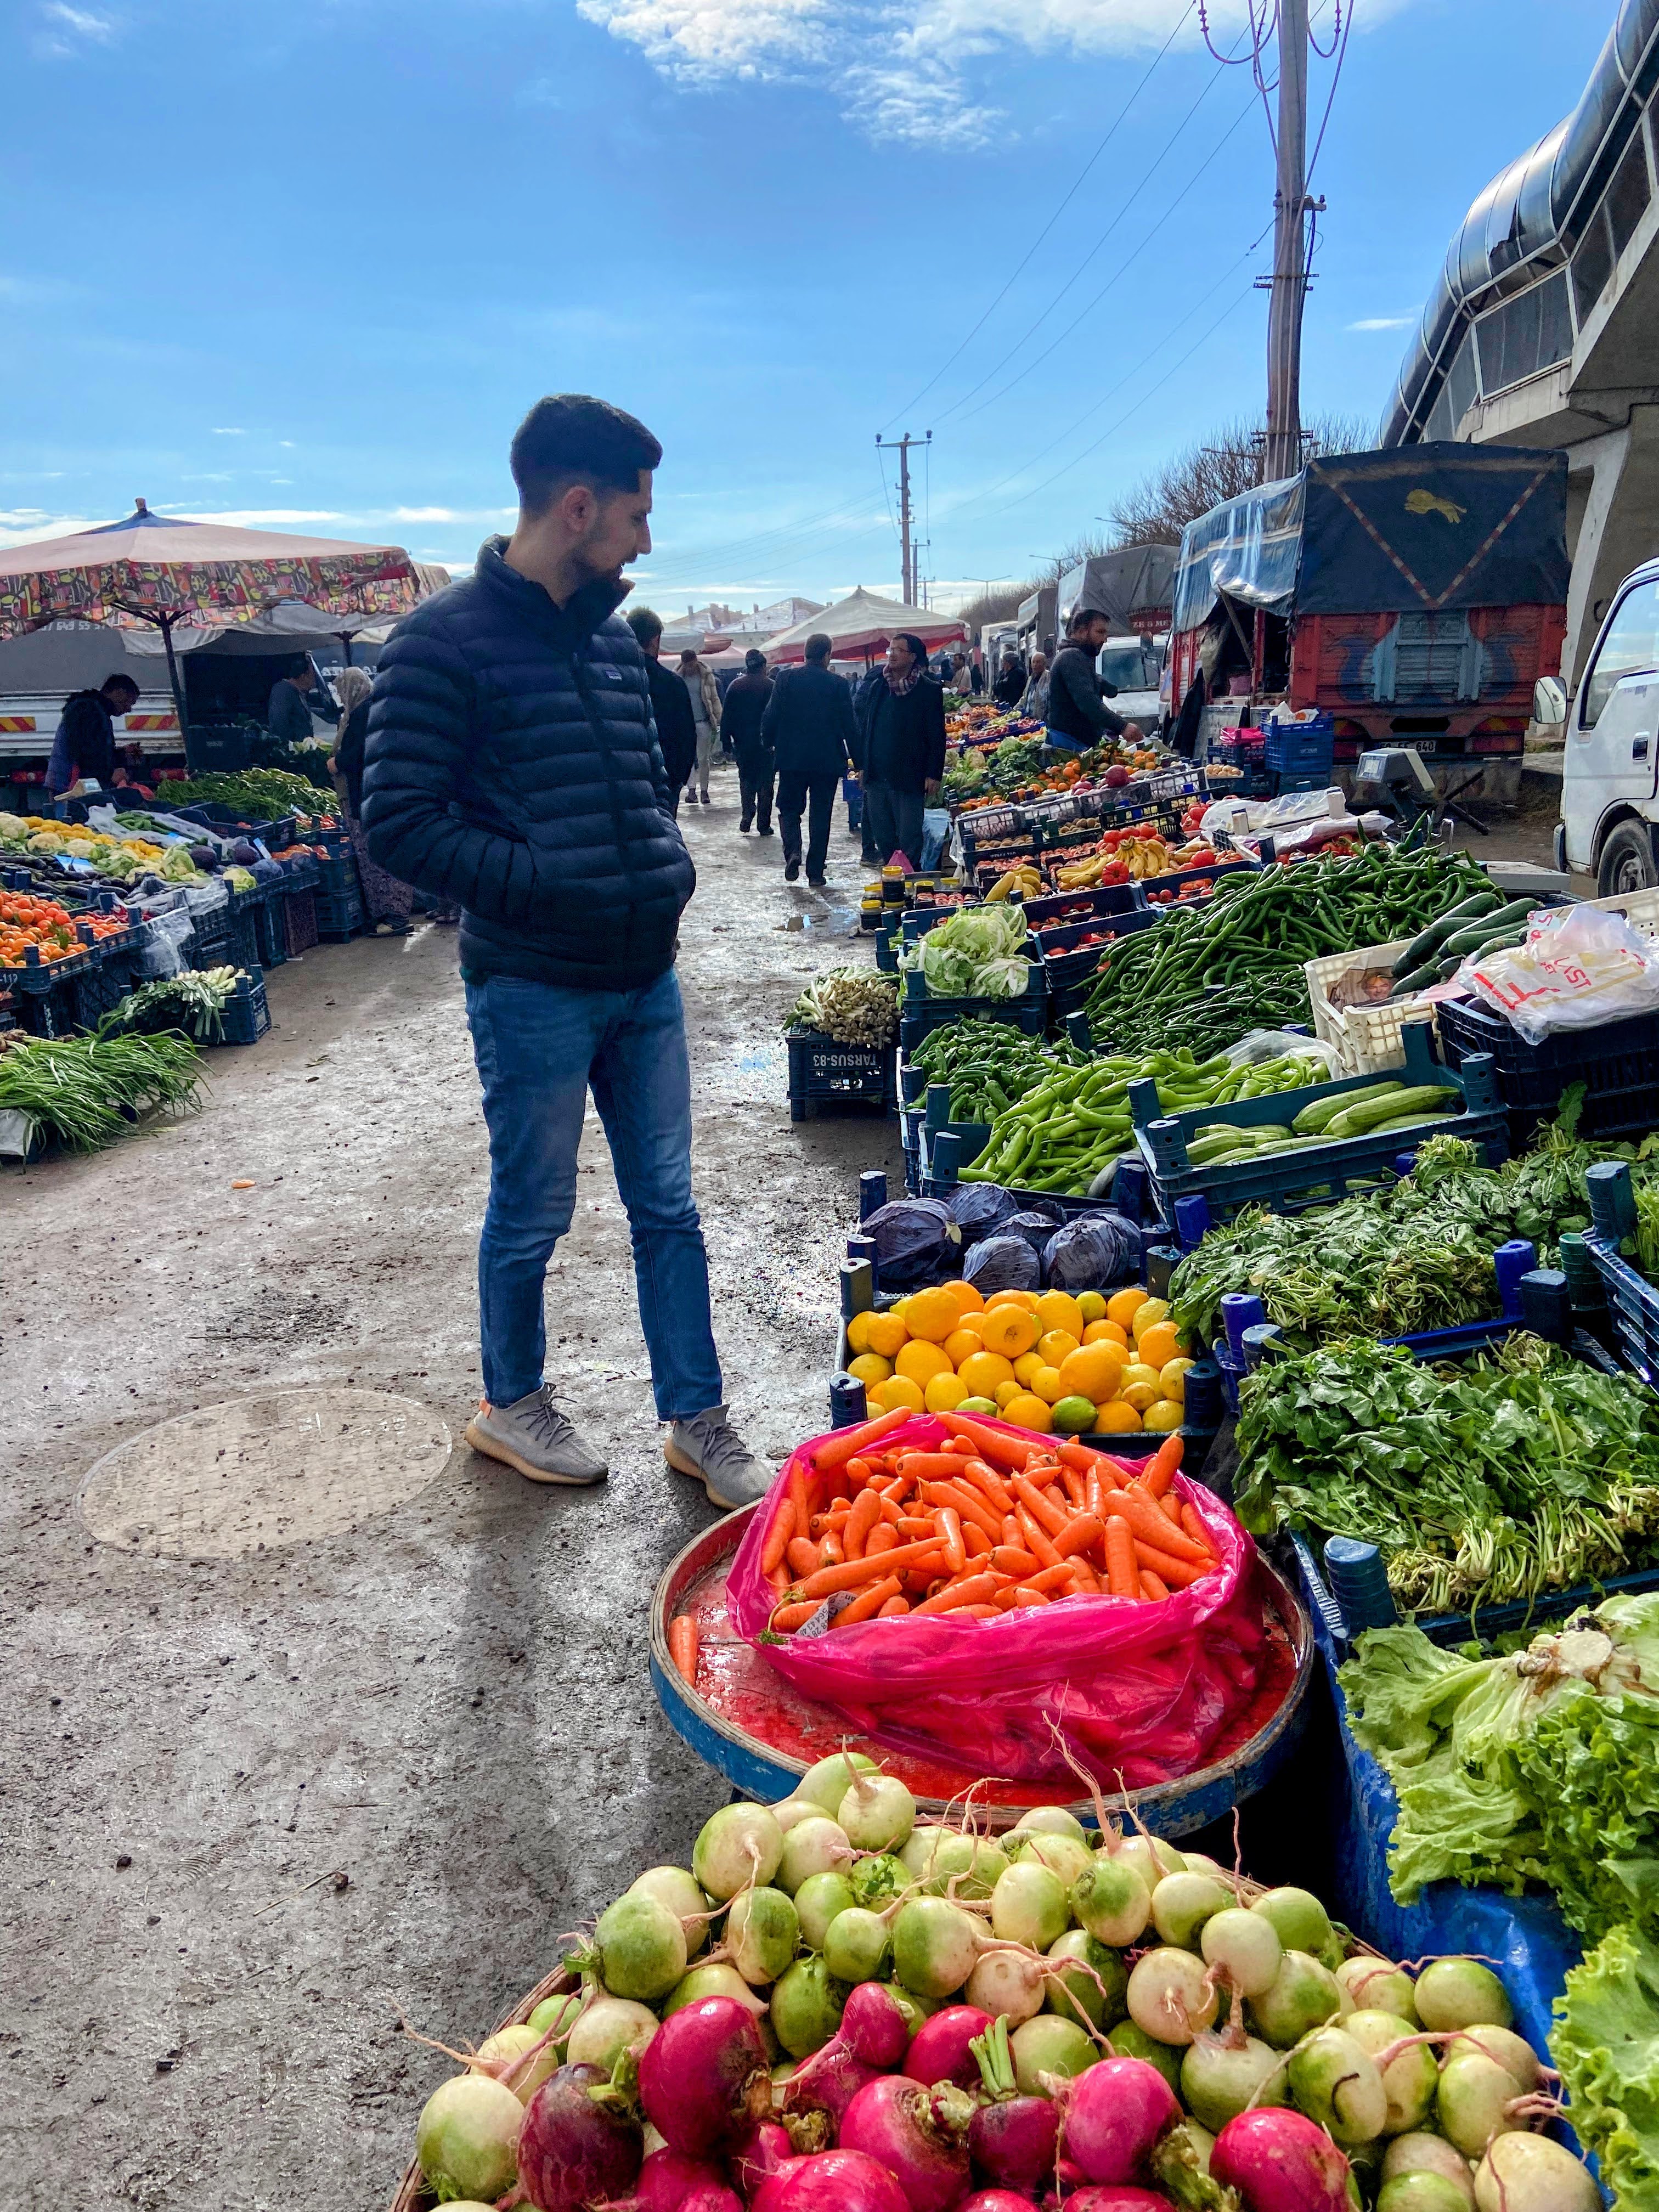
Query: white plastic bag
(1261, 1045)
(1578, 968)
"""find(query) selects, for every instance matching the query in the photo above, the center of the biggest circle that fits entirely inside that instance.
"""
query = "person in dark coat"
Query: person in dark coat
(670, 703)
(84, 747)
(1079, 716)
(742, 713)
(390, 903)
(288, 717)
(901, 749)
(512, 763)
(1010, 686)
(808, 724)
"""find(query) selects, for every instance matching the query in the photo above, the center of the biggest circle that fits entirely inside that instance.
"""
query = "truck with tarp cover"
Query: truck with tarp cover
(1415, 595)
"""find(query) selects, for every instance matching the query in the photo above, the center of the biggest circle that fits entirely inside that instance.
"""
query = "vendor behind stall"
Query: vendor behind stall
(287, 715)
(83, 750)
(1079, 716)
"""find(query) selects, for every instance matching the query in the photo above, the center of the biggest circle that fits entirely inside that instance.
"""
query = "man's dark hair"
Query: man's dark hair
(818, 646)
(571, 439)
(299, 667)
(753, 662)
(1081, 618)
(644, 624)
(914, 645)
(119, 681)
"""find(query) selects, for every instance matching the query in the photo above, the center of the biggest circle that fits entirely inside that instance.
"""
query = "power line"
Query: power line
(1070, 194)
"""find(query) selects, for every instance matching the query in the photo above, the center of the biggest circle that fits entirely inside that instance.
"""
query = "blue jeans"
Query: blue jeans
(539, 1049)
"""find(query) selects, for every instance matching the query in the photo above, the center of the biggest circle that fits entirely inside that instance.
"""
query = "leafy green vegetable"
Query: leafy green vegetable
(1606, 2043)
(976, 954)
(193, 1002)
(1592, 1766)
(87, 1091)
(1520, 1474)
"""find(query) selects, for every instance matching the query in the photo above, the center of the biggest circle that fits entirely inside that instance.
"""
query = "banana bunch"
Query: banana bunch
(1022, 882)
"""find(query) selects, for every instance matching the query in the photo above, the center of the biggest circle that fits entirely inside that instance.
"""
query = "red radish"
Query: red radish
(996, 2200)
(829, 2081)
(757, 2155)
(1115, 2113)
(831, 2181)
(1280, 2162)
(666, 2179)
(1113, 2197)
(575, 2146)
(873, 2026)
(896, 2121)
(940, 2051)
(703, 2076)
(1013, 2138)
(708, 2197)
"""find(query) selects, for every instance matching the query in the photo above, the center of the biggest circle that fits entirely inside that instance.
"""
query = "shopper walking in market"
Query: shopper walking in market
(677, 734)
(704, 695)
(1034, 700)
(901, 749)
(742, 713)
(388, 902)
(1079, 716)
(513, 763)
(808, 724)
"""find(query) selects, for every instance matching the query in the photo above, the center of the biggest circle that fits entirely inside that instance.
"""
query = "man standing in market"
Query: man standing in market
(1079, 716)
(288, 717)
(741, 715)
(671, 704)
(809, 723)
(83, 749)
(513, 765)
(1010, 685)
(901, 749)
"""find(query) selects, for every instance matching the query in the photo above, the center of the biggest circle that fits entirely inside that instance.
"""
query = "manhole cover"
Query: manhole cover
(233, 1480)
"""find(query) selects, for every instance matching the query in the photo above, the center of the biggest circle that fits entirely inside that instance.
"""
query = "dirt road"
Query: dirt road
(445, 1703)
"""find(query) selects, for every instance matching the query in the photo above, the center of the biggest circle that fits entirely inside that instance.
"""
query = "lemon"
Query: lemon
(1148, 1314)
(968, 1300)
(1009, 1330)
(977, 1406)
(1059, 1309)
(857, 1333)
(885, 1333)
(1164, 1413)
(1173, 1377)
(1073, 1415)
(1136, 1371)
(1028, 1364)
(1117, 1419)
(898, 1390)
(1091, 1306)
(919, 1361)
(870, 1367)
(943, 1393)
(1026, 1412)
(1094, 1371)
(1006, 1394)
(1138, 1396)
(1025, 1299)
(1047, 1385)
(1159, 1344)
(932, 1314)
(981, 1371)
(1054, 1344)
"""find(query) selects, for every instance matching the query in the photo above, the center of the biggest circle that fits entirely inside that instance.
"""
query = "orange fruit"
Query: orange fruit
(919, 1361)
(1047, 1385)
(1094, 1370)
(983, 1371)
(1024, 1298)
(1026, 1412)
(1054, 1343)
(1009, 1330)
(1159, 1344)
(1123, 1305)
(898, 1390)
(1117, 1333)
(944, 1392)
(1059, 1309)
(967, 1298)
(1117, 1419)
(870, 1368)
(1027, 1366)
(1094, 1332)
(857, 1333)
(1164, 1413)
(962, 1344)
(933, 1314)
(885, 1333)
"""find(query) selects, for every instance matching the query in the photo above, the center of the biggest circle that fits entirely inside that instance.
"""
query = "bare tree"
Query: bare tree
(1000, 605)
(1218, 467)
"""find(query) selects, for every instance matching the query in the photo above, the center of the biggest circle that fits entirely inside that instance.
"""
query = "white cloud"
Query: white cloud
(229, 434)
(247, 518)
(1383, 323)
(70, 30)
(423, 514)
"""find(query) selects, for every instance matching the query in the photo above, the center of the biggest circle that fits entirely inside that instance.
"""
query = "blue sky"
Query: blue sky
(306, 265)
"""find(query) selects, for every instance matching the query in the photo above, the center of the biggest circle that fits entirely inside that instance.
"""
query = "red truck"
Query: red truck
(1416, 596)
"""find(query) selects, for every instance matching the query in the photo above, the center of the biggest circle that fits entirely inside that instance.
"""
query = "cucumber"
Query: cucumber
(1501, 941)
(1314, 1117)
(1415, 980)
(1409, 1121)
(1507, 917)
(1423, 1098)
(1419, 949)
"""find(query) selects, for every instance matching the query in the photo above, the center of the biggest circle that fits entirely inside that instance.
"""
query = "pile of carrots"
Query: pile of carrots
(991, 1523)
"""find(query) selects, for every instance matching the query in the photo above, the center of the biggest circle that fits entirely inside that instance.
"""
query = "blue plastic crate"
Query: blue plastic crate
(1632, 1301)
(247, 1014)
(920, 1015)
(1069, 964)
(1059, 908)
(1299, 749)
(823, 1073)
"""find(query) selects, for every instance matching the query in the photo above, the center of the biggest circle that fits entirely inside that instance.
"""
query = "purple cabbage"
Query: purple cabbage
(916, 1242)
(1092, 1253)
(979, 1210)
(1003, 1263)
(1035, 1222)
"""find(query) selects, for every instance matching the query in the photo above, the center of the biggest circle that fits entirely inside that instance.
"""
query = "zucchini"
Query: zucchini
(1507, 917)
(1424, 1099)
(1419, 949)
(1410, 1122)
(1501, 941)
(1415, 980)
(1314, 1117)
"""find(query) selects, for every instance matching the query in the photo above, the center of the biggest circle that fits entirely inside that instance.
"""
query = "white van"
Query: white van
(1610, 775)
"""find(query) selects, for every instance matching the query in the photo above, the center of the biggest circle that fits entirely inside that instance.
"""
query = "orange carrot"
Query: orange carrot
(683, 1646)
(796, 1485)
(1073, 1484)
(893, 1608)
(778, 1535)
(1094, 1494)
(1041, 1509)
(802, 1555)
(968, 1503)
(1170, 1506)
(1025, 1595)
(987, 1478)
(949, 1531)
(1013, 1560)
(930, 1467)
(868, 1603)
(1178, 1573)
(1086, 1458)
(977, 1590)
(885, 1507)
(976, 1542)
(1083, 1578)
(778, 1581)
(915, 1524)
(961, 1447)
(849, 1444)
(831, 1550)
(1152, 1586)
(897, 1487)
(1079, 1535)
(867, 1511)
(1122, 1573)
(850, 1573)
(991, 1443)
(1160, 1470)
(1149, 1523)
(1195, 1529)
(881, 1539)
(1056, 1577)
(788, 1617)
(978, 1612)
(1035, 1537)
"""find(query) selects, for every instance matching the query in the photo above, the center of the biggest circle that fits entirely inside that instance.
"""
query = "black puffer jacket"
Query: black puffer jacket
(512, 767)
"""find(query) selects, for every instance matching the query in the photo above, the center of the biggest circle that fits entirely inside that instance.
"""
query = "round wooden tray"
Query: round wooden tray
(745, 1719)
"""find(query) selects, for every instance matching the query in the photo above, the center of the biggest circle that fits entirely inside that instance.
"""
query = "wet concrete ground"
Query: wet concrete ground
(448, 1706)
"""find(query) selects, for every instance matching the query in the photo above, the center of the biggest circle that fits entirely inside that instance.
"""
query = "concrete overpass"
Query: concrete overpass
(1544, 329)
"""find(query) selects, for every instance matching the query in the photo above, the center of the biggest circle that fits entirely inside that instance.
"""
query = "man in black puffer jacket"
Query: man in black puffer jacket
(513, 765)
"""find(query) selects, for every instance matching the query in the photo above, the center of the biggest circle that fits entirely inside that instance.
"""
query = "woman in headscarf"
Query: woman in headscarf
(387, 902)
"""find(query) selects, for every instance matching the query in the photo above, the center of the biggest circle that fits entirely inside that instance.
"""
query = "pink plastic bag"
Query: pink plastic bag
(1139, 1692)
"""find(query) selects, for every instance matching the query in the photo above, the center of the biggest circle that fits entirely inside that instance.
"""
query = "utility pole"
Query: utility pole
(907, 554)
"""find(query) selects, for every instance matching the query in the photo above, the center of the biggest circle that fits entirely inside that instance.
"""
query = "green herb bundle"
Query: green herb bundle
(1520, 1474)
(87, 1091)
(852, 1006)
(193, 1002)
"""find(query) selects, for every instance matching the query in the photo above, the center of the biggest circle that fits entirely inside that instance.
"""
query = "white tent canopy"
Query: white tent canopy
(858, 624)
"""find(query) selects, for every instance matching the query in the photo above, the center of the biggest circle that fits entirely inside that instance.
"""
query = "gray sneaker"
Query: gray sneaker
(536, 1439)
(708, 1447)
